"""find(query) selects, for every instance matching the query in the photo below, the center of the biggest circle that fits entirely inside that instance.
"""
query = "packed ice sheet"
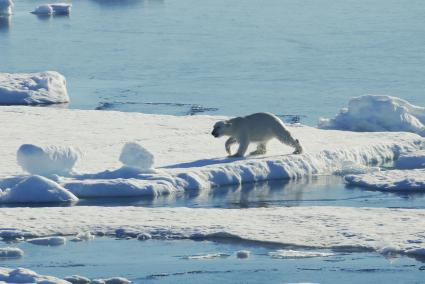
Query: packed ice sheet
(33, 88)
(6, 7)
(187, 156)
(378, 113)
(391, 180)
(380, 229)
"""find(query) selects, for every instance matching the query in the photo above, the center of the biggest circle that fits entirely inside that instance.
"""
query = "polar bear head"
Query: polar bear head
(222, 128)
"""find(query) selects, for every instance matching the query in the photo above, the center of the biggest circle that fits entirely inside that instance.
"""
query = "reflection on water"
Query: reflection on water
(309, 191)
(5, 23)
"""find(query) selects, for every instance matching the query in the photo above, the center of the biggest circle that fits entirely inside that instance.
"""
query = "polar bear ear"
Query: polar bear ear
(227, 123)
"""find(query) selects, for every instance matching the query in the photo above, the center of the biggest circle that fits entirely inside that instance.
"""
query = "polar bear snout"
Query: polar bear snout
(215, 133)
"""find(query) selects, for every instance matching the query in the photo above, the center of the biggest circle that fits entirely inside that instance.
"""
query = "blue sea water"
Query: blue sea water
(305, 57)
(162, 261)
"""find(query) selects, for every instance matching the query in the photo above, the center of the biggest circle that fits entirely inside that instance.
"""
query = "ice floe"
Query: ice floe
(243, 254)
(36, 189)
(33, 88)
(282, 253)
(320, 227)
(391, 180)
(50, 160)
(6, 7)
(207, 256)
(186, 155)
(22, 275)
(48, 241)
(9, 252)
(378, 113)
(412, 160)
(53, 9)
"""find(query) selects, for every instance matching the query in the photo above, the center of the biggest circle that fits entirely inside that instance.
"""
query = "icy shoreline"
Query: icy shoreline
(379, 229)
(187, 157)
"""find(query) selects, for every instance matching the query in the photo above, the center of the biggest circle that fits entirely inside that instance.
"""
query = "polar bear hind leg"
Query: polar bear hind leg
(284, 136)
(261, 149)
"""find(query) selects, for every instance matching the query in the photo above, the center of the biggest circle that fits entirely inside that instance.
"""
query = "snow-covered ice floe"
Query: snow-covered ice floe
(186, 156)
(9, 252)
(33, 88)
(6, 7)
(391, 180)
(320, 227)
(48, 241)
(22, 275)
(53, 9)
(378, 113)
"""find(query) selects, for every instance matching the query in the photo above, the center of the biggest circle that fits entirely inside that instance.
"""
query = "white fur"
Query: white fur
(256, 128)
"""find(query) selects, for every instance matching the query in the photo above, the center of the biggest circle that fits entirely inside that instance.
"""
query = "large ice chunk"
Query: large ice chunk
(135, 156)
(32, 88)
(6, 7)
(50, 9)
(48, 160)
(36, 189)
(411, 160)
(378, 113)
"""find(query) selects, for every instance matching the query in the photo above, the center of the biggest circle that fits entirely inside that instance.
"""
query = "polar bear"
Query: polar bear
(256, 128)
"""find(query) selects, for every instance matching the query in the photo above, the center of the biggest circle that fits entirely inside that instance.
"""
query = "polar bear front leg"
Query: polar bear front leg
(229, 144)
(243, 146)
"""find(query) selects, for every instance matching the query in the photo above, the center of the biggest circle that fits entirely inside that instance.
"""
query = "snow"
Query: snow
(391, 180)
(281, 253)
(243, 254)
(33, 88)
(10, 252)
(22, 275)
(48, 241)
(53, 9)
(6, 7)
(47, 161)
(378, 113)
(320, 227)
(135, 156)
(186, 156)
(117, 280)
(412, 160)
(36, 189)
